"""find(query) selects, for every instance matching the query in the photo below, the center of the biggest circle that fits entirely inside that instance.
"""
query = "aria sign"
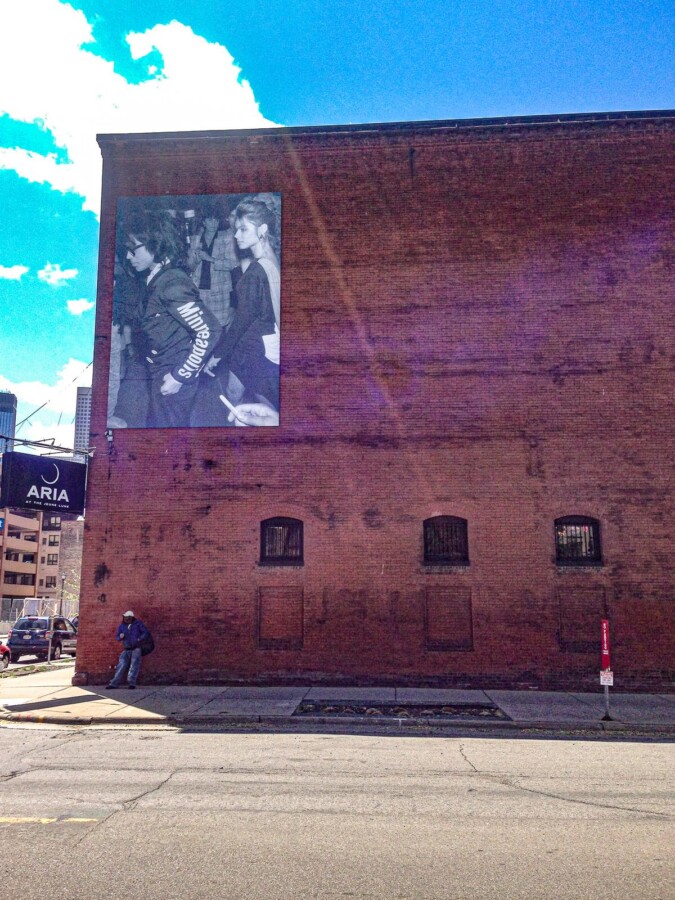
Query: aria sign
(38, 482)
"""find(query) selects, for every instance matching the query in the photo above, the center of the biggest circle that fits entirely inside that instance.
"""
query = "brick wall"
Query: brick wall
(474, 323)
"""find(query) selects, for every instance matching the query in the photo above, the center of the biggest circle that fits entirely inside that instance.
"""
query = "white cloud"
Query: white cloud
(13, 273)
(50, 78)
(40, 169)
(77, 307)
(59, 397)
(61, 434)
(55, 276)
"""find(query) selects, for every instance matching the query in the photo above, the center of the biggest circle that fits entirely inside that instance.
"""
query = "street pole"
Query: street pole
(606, 674)
(63, 584)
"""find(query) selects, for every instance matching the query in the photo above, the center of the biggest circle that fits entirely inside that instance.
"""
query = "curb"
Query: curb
(385, 722)
(47, 719)
(36, 669)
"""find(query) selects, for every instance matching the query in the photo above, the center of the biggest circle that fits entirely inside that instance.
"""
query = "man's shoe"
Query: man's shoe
(131, 687)
(111, 687)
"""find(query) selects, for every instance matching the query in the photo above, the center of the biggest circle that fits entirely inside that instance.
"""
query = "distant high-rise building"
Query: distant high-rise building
(82, 420)
(7, 420)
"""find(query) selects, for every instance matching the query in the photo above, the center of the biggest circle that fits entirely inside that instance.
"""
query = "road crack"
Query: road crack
(126, 806)
(594, 803)
(9, 777)
(466, 759)
(131, 804)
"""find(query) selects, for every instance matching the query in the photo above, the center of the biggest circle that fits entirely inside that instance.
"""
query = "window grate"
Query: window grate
(577, 541)
(281, 542)
(446, 541)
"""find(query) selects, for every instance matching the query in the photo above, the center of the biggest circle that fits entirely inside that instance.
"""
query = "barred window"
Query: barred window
(446, 541)
(281, 542)
(577, 541)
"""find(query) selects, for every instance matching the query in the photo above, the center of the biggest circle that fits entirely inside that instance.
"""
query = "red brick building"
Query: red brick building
(474, 462)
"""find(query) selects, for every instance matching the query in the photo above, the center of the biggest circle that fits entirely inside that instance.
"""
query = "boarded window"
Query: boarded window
(448, 618)
(280, 618)
(581, 609)
(577, 541)
(446, 541)
(281, 542)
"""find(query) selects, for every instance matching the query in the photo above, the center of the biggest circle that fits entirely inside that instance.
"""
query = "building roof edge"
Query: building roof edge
(596, 118)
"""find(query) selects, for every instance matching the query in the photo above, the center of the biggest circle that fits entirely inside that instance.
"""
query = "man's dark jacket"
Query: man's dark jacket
(181, 331)
(132, 634)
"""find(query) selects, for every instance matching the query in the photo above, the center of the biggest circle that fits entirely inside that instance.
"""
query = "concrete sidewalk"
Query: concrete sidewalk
(48, 697)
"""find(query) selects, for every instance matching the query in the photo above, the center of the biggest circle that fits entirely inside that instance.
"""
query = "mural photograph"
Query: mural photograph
(196, 320)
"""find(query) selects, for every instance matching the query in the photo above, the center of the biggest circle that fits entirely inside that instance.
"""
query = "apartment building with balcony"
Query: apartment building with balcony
(20, 543)
(48, 580)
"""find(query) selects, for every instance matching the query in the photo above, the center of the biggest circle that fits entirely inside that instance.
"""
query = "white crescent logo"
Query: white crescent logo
(57, 476)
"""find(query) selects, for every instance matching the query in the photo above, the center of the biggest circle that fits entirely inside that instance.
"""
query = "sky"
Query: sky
(71, 70)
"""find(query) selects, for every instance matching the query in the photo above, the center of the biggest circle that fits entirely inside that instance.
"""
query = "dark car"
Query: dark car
(4, 656)
(30, 636)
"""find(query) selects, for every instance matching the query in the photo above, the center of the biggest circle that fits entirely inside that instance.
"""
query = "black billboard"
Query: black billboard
(40, 482)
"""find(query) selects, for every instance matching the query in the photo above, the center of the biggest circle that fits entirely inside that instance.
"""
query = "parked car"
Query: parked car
(4, 656)
(76, 622)
(30, 635)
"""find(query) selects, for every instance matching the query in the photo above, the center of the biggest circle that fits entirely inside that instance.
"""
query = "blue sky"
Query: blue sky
(70, 70)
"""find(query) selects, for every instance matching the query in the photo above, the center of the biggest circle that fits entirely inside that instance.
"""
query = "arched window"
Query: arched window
(281, 542)
(577, 541)
(446, 541)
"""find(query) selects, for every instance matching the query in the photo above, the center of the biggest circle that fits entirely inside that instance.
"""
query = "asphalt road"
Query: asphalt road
(162, 814)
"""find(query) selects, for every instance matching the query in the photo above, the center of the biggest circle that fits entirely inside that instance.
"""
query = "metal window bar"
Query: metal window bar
(577, 542)
(446, 541)
(282, 542)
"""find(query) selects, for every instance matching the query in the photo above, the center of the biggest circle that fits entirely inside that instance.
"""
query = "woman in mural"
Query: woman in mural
(246, 359)
(211, 258)
(179, 330)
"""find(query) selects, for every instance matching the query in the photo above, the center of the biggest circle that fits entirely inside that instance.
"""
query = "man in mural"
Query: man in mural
(179, 329)
(211, 258)
(129, 386)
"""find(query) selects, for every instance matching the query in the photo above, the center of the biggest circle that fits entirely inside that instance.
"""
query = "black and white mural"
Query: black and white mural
(196, 323)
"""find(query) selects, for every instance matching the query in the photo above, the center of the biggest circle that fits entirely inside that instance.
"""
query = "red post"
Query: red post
(604, 644)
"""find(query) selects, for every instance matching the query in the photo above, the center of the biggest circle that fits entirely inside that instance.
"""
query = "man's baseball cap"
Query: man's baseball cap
(128, 613)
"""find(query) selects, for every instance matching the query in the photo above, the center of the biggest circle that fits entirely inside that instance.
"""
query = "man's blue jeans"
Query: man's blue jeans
(131, 660)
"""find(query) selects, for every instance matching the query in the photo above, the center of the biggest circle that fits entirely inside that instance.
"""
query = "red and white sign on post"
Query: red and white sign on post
(604, 644)
(606, 674)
